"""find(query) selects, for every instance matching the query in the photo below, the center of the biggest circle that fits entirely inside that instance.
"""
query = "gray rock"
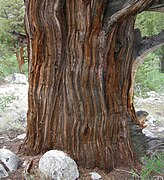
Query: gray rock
(153, 131)
(142, 114)
(16, 78)
(152, 94)
(141, 117)
(58, 165)
(95, 176)
(2, 139)
(3, 172)
(149, 121)
(11, 161)
(21, 136)
(148, 133)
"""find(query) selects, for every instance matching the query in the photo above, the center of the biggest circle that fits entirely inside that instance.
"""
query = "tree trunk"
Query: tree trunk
(80, 83)
(162, 64)
(162, 60)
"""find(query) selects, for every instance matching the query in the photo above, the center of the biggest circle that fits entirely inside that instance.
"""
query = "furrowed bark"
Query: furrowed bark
(143, 46)
(147, 44)
(80, 82)
(116, 11)
(117, 6)
(122, 10)
(157, 6)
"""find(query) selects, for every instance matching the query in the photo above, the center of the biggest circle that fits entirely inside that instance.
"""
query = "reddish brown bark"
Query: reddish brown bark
(80, 81)
(20, 59)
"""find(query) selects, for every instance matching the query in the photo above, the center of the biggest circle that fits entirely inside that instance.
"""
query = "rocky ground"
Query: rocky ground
(154, 105)
(29, 169)
(13, 108)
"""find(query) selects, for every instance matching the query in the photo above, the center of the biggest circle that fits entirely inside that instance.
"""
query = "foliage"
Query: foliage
(154, 165)
(8, 65)
(148, 77)
(6, 99)
(11, 19)
(150, 23)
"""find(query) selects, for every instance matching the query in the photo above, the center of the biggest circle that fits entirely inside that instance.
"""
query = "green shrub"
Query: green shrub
(8, 65)
(148, 77)
(154, 166)
(5, 99)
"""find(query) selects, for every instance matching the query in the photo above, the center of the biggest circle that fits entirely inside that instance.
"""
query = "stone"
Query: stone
(152, 94)
(2, 139)
(150, 121)
(148, 133)
(58, 165)
(11, 160)
(16, 78)
(21, 136)
(95, 176)
(141, 117)
(24, 163)
(3, 172)
(154, 131)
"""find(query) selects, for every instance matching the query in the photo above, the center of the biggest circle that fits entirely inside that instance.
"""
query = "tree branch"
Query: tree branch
(157, 5)
(125, 8)
(146, 45)
(117, 10)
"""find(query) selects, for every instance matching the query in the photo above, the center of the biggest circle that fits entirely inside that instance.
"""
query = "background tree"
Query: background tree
(149, 77)
(82, 61)
(161, 56)
(150, 23)
(11, 20)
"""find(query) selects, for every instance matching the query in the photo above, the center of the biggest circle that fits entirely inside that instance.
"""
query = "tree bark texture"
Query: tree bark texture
(80, 81)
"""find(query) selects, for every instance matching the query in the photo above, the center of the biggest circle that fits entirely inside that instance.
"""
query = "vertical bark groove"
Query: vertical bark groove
(79, 83)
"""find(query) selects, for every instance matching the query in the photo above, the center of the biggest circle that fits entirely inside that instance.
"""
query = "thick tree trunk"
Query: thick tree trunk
(80, 83)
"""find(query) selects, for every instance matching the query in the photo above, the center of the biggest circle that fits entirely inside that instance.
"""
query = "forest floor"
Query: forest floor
(30, 170)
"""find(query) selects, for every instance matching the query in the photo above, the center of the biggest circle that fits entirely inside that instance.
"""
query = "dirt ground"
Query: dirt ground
(29, 169)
